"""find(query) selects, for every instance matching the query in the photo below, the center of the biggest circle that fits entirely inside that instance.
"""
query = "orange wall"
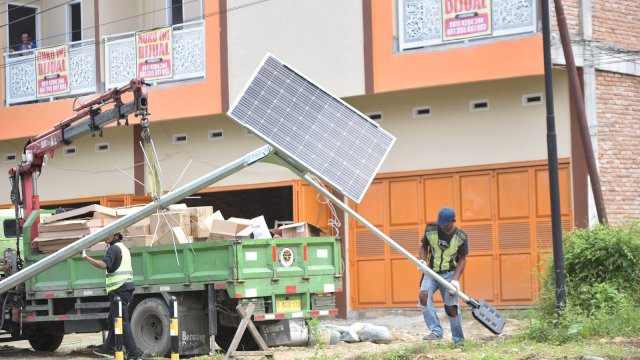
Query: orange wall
(496, 60)
(166, 102)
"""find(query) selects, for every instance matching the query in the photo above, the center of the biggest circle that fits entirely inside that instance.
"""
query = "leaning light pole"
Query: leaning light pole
(310, 132)
(317, 134)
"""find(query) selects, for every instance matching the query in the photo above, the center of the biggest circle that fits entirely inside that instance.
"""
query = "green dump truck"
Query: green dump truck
(285, 278)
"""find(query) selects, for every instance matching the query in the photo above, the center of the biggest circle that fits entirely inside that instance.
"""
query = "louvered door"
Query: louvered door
(505, 212)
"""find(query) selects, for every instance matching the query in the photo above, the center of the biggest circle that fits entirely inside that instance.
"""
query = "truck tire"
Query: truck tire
(46, 342)
(150, 326)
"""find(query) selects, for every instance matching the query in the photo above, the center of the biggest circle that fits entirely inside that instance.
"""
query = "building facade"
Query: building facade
(459, 83)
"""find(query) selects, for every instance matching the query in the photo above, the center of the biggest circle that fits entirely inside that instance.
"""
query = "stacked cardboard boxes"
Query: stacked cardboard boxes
(177, 225)
(60, 230)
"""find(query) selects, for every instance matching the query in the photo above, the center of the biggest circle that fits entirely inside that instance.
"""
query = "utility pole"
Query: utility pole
(552, 154)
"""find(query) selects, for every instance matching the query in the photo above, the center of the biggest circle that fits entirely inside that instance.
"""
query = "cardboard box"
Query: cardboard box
(161, 223)
(199, 213)
(221, 229)
(101, 246)
(177, 207)
(137, 230)
(67, 234)
(142, 227)
(301, 230)
(65, 225)
(128, 210)
(85, 211)
(48, 246)
(137, 241)
(199, 230)
(175, 236)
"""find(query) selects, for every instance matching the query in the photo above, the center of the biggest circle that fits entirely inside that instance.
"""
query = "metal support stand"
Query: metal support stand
(246, 321)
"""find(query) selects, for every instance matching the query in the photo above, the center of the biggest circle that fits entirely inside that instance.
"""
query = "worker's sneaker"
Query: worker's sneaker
(459, 344)
(431, 337)
(104, 354)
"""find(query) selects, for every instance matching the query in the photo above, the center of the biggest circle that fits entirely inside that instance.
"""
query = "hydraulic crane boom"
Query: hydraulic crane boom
(90, 118)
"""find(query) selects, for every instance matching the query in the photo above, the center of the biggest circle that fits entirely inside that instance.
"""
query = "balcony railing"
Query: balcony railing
(188, 48)
(188, 55)
(20, 73)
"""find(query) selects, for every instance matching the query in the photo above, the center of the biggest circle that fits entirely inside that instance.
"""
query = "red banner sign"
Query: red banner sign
(52, 71)
(154, 54)
(463, 19)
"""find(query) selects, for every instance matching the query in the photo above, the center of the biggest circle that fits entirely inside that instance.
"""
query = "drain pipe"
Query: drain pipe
(578, 104)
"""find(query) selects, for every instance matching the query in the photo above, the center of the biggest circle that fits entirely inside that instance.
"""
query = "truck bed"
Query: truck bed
(245, 268)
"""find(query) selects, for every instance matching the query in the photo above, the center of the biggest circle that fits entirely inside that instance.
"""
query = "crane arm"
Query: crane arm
(90, 118)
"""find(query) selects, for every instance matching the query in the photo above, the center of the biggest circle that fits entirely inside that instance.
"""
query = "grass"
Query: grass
(510, 349)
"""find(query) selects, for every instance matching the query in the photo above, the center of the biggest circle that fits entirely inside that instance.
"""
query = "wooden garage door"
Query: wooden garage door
(505, 212)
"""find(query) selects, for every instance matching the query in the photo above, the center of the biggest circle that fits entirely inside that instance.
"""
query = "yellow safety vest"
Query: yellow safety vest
(444, 259)
(124, 272)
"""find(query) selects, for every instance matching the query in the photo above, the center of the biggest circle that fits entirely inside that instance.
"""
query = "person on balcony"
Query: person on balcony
(26, 44)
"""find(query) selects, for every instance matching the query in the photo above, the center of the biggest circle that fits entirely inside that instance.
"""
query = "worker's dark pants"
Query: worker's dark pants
(127, 336)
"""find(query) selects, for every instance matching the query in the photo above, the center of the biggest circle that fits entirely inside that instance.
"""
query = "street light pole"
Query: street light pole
(552, 155)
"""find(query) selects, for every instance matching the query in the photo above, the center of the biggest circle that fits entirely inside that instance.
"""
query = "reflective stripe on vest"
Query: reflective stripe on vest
(124, 272)
(443, 260)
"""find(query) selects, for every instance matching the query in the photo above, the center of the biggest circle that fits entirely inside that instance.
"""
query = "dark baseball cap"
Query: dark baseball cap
(445, 216)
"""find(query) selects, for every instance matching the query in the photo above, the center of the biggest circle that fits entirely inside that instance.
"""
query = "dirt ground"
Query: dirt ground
(407, 327)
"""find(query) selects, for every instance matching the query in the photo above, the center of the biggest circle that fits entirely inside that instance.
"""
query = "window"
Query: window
(74, 21)
(479, 105)
(9, 226)
(69, 151)
(423, 23)
(22, 19)
(180, 139)
(175, 12)
(531, 99)
(216, 134)
(102, 147)
(375, 116)
(10, 158)
(421, 111)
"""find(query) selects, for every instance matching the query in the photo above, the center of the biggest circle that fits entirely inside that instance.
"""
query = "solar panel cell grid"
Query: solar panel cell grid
(320, 131)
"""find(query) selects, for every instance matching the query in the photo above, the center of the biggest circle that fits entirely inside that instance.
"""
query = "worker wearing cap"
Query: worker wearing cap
(444, 250)
(119, 283)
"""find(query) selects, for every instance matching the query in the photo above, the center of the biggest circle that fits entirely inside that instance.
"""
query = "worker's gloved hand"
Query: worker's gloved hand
(84, 253)
(420, 268)
(456, 285)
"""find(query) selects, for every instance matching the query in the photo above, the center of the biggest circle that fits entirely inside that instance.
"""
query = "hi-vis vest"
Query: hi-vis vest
(124, 272)
(443, 259)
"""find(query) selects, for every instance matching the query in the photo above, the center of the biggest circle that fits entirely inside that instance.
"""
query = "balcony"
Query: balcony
(119, 56)
(20, 74)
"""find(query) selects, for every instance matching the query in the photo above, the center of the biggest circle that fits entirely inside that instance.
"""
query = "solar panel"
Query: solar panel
(325, 135)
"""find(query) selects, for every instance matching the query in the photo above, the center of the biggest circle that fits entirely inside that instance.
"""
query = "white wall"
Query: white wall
(53, 23)
(453, 136)
(208, 155)
(85, 174)
(321, 39)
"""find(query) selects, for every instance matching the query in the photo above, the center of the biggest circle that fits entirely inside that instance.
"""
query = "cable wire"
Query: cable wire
(34, 14)
(101, 42)
(17, 7)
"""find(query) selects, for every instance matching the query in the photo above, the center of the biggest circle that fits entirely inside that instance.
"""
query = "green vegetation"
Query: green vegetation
(601, 317)
(602, 268)
(316, 333)
(514, 348)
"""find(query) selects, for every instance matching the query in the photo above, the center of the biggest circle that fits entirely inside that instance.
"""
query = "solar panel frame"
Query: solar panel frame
(285, 101)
